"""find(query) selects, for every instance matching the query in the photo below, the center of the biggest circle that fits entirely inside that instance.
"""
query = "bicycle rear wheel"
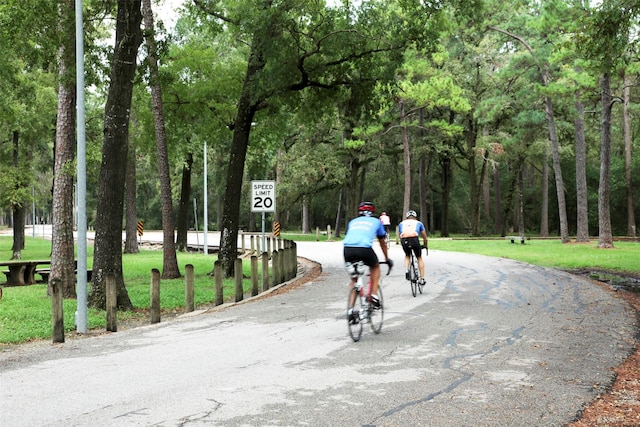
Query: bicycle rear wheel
(376, 315)
(354, 323)
(414, 276)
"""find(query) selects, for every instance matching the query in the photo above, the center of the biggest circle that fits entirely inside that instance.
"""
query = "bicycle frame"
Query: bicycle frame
(359, 301)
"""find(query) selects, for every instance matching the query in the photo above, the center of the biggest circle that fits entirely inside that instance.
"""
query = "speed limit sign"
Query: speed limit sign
(263, 196)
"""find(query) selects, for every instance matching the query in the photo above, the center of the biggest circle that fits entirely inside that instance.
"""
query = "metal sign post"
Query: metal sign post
(263, 199)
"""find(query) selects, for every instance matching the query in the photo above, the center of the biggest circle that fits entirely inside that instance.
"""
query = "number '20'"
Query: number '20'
(262, 202)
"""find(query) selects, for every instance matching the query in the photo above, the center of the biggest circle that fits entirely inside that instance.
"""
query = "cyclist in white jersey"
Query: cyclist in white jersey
(410, 229)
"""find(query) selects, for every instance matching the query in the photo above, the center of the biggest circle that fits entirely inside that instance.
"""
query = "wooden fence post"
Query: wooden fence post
(237, 269)
(294, 256)
(217, 273)
(57, 313)
(112, 301)
(328, 233)
(265, 272)
(254, 276)
(281, 263)
(275, 268)
(188, 288)
(317, 234)
(155, 295)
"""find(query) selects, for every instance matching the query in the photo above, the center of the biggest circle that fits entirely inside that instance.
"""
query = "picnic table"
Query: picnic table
(22, 272)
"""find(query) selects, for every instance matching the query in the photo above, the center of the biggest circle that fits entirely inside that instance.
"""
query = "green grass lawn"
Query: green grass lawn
(25, 312)
(624, 257)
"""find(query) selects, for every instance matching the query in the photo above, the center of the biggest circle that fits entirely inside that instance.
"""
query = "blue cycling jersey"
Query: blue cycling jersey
(362, 230)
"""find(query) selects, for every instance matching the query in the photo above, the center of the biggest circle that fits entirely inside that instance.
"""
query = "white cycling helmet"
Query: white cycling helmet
(412, 213)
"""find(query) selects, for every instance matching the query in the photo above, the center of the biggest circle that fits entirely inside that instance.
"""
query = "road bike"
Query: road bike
(414, 274)
(360, 308)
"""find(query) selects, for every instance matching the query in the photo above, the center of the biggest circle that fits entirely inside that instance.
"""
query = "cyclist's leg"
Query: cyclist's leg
(376, 315)
(407, 257)
(352, 300)
(417, 251)
(352, 255)
(370, 258)
(421, 266)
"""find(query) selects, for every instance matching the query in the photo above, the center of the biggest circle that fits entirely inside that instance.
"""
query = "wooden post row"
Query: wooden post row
(265, 272)
(112, 302)
(189, 302)
(238, 276)
(217, 272)
(57, 313)
(155, 295)
(254, 276)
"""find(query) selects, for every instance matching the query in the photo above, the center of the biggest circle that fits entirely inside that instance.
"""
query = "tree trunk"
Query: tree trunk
(520, 201)
(582, 225)
(247, 107)
(447, 178)
(337, 229)
(131, 224)
(279, 174)
(406, 204)
(497, 200)
(422, 187)
(170, 268)
(486, 195)
(62, 248)
(631, 216)
(183, 209)
(422, 175)
(557, 171)
(605, 238)
(471, 136)
(553, 138)
(107, 256)
(544, 206)
(305, 214)
(18, 209)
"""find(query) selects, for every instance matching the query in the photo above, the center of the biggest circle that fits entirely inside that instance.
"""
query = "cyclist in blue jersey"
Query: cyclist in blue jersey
(358, 244)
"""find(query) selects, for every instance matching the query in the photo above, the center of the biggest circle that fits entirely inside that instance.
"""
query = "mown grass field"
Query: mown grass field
(25, 312)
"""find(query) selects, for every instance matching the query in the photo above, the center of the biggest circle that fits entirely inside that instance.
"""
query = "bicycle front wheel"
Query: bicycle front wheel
(414, 275)
(376, 315)
(353, 319)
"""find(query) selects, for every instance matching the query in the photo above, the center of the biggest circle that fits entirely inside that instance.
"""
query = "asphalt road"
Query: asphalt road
(491, 342)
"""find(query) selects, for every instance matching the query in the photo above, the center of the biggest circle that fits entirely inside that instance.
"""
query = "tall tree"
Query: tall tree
(170, 268)
(131, 225)
(605, 39)
(288, 54)
(545, 75)
(62, 252)
(107, 256)
(631, 216)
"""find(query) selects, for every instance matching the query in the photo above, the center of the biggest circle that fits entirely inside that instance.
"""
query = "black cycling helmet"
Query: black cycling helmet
(366, 209)
(412, 213)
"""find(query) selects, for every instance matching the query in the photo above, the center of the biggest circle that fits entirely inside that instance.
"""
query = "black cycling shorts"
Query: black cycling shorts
(411, 243)
(355, 254)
